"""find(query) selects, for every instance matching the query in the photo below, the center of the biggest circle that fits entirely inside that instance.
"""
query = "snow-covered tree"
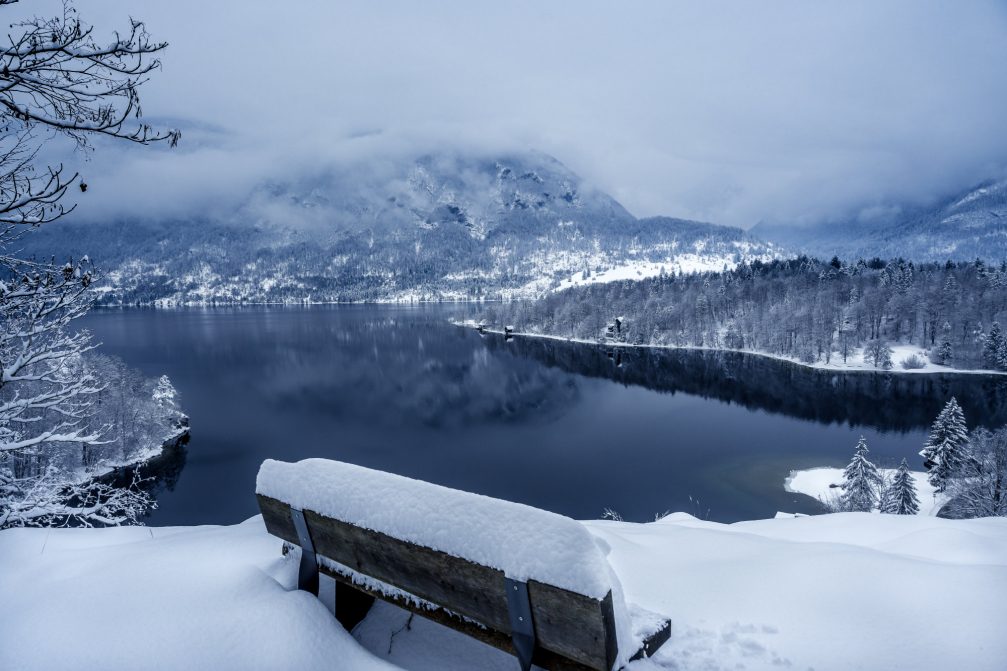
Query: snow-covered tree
(58, 83)
(796, 308)
(861, 481)
(995, 348)
(944, 354)
(899, 497)
(878, 354)
(979, 488)
(943, 452)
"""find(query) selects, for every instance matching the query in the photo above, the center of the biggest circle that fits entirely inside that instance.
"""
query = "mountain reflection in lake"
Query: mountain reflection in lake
(571, 428)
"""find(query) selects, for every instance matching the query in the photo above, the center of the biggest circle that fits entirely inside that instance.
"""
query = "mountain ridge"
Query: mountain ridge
(442, 226)
(962, 226)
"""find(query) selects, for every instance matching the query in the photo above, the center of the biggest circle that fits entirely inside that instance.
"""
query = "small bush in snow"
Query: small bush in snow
(913, 362)
(609, 514)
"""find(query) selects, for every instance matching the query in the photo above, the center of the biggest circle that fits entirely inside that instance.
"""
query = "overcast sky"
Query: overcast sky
(725, 112)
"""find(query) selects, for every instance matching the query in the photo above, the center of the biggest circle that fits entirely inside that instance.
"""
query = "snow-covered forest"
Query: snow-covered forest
(66, 415)
(805, 309)
(125, 421)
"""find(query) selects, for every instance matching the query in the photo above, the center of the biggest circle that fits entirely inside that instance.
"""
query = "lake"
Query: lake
(568, 427)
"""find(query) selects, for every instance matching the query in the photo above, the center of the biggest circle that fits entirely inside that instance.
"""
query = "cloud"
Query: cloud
(728, 112)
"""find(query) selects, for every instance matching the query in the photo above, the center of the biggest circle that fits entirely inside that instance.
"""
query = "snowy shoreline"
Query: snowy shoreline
(823, 482)
(930, 369)
(149, 458)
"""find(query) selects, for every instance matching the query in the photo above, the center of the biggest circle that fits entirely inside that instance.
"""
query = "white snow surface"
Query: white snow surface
(161, 598)
(828, 592)
(823, 483)
(524, 542)
(900, 352)
(637, 270)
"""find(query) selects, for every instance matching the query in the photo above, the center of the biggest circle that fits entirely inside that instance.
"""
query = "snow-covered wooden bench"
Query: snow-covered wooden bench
(521, 579)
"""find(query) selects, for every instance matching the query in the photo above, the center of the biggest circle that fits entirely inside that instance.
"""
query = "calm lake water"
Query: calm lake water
(571, 428)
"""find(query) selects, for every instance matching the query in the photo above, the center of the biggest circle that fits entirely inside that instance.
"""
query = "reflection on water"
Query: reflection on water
(886, 401)
(552, 424)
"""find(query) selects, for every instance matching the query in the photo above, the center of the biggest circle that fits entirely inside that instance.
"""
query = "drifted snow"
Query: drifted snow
(162, 598)
(524, 542)
(845, 591)
(842, 591)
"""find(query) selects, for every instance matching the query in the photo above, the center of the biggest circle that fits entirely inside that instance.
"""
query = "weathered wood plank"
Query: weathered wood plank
(543, 658)
(653, 642)
(569, 624)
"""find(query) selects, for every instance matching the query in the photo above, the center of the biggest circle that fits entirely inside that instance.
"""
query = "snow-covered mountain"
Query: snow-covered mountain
(441, 226)
(964, 226)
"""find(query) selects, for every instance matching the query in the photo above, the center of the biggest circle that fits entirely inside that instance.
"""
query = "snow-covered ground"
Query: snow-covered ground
(637, 270)
(846, 591)
(823, 484)
(900, 353)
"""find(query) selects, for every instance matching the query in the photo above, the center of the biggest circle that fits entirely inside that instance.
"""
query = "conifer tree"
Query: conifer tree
(945, 448)
(861, 481)
(900, 497)
(945, 352)
(993, 347)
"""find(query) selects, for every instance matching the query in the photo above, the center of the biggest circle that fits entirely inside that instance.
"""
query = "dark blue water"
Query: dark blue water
(571, 428)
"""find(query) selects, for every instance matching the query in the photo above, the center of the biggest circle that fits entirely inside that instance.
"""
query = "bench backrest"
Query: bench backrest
(572, 625)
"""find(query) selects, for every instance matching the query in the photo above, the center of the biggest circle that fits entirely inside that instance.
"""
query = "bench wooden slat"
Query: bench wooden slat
(543, 658)
(571, 625)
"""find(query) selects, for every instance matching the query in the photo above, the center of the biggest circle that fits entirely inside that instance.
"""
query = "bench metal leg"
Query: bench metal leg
(521, 626)
(307, 572)
(352, 605)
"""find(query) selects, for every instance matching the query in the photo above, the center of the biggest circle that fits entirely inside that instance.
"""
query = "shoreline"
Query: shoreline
(158, 305)
(824, 482)
(112, 473)
(767, 355)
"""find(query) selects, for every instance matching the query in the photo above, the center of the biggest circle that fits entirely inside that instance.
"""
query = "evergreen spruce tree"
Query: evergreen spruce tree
(945, 353)
(900, 498)
(993, 346)
(945, 448)
(861, 481)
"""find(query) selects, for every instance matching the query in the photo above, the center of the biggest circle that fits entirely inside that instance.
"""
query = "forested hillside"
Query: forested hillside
(803, 308)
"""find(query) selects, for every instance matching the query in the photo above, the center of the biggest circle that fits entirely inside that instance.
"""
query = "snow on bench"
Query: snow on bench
(516, 577)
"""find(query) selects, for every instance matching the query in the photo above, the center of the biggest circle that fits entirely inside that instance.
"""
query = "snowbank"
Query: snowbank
(823, 483)
(161, 598)
(843, 591)
(524, 542)
(826, 592)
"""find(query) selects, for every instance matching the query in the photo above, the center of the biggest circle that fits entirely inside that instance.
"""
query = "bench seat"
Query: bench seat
(496, 600)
